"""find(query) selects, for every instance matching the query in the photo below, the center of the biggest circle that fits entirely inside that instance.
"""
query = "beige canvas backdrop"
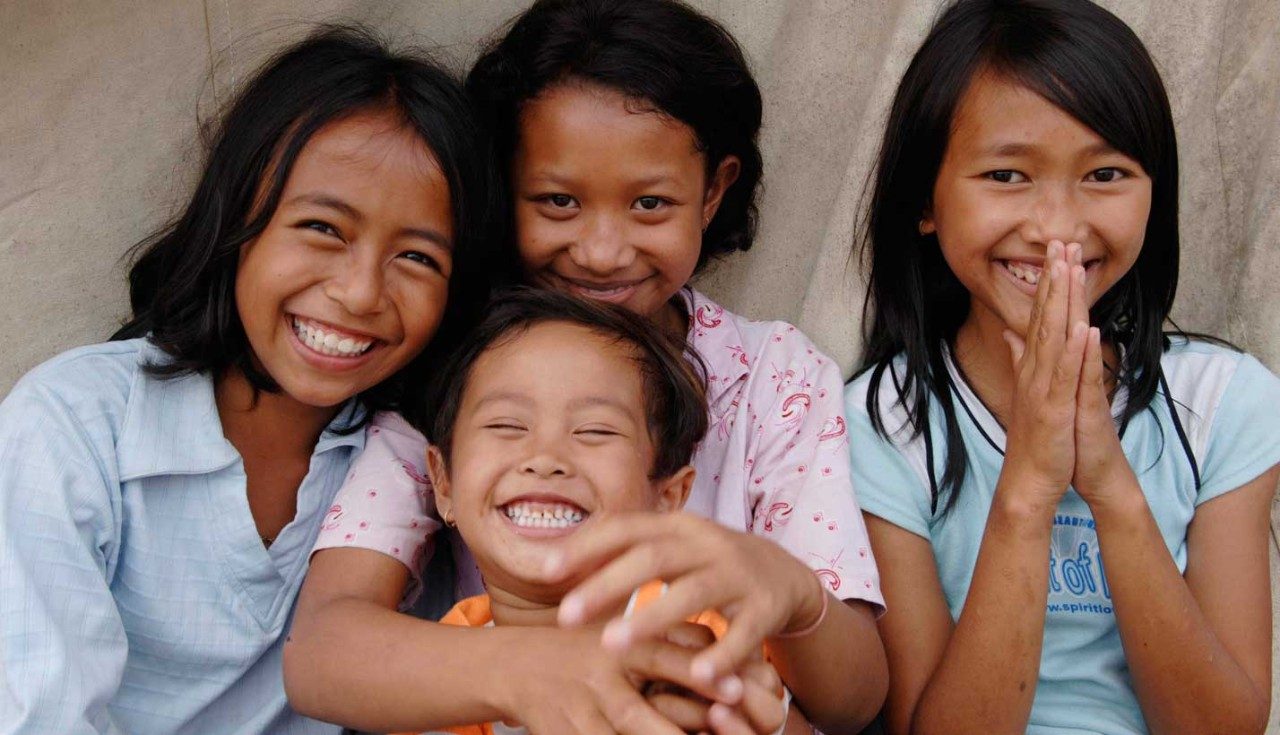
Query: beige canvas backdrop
(100, 104)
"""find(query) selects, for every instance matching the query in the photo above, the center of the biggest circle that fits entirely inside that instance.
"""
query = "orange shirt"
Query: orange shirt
(474, 612)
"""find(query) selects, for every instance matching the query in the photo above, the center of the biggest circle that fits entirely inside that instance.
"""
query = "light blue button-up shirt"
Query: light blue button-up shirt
(135, 594)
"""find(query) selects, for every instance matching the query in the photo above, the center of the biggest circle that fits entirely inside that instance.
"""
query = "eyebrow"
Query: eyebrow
(331, 202)
(575, 405)
(554, 179)
(1021, 149)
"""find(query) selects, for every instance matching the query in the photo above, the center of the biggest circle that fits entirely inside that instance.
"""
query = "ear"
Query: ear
(439, 474)
(721, 179)
(927, 225)
(673, 491)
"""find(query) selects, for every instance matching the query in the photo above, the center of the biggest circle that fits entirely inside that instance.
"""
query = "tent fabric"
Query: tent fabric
(101, 105)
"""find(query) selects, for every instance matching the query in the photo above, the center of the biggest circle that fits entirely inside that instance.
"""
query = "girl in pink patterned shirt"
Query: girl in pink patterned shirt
(628, 135)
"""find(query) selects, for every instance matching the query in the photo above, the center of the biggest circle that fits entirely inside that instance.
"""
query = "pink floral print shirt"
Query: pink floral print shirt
(775, 462)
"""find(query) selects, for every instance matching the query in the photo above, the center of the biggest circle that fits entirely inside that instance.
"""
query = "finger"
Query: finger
(763, 675)
(1051, 334)
(1042, 295)
(762, 707)
(610, 587)
(1017, 348)
(1093, 390)
(725, 721)
(630, 714)
(740, 642)
(688, 596)
(683, 712)
(1078, 297)
(605, 539)
(668, 662)
(691, 635)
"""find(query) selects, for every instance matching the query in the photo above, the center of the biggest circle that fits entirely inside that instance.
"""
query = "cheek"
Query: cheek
(421, 309)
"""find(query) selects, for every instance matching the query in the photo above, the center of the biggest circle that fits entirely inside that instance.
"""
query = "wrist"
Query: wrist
(1025, 513)
(811, 611)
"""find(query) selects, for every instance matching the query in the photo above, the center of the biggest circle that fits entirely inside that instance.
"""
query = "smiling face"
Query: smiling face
(611, 199)
(1018, 173)
(349, 279)
(551, 432)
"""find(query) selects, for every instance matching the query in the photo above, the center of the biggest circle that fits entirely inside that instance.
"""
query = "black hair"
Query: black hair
(182, 282)
(674, 378)
(662, 54)
(1091, 65)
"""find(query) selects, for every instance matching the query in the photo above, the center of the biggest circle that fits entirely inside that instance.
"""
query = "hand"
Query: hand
(760, 710)
(594, 691)
(757, 585)
(1040, 452)
(1100, 462)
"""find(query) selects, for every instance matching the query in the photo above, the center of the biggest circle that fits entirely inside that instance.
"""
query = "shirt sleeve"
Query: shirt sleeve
(800, 477)
(386, 503)
(887, 485)
(1244, 438)
(62, 643)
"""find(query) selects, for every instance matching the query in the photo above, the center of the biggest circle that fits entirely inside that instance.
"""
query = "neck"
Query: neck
(511, 608)
(672, 319)
(260, 421)
(987, 363)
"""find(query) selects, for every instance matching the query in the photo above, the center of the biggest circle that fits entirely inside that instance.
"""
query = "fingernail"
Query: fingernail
(570, 610)
(617, 634)
(730, 689)
(702, 670)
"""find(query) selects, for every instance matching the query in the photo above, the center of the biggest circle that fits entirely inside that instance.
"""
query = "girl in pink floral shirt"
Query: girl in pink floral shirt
(628, 134)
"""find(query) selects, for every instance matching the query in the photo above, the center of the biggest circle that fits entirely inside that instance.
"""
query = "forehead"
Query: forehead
(996, 111)
(558, 363)
(599, 127)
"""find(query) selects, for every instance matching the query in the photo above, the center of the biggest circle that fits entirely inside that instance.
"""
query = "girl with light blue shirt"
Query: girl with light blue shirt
(1068, 503)
(160, 495)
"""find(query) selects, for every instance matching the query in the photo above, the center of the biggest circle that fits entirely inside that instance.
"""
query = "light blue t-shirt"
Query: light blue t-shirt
(1228, 407)
(135, 593)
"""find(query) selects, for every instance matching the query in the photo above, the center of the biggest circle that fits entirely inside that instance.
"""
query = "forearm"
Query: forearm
(837, 674)
(986, 679)
(362, 665)
(1184, 678)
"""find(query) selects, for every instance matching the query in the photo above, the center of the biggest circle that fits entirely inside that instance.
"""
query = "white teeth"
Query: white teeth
(329, 343)
(1028, 273)
(540, 515)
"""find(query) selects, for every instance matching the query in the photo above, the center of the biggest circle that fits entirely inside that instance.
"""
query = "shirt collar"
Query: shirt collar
(715, 337)
(171, 425)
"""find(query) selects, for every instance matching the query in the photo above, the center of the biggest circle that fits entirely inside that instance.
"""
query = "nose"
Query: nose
(359, 286)
(602, 247)
(1055, 214)
(544, 459)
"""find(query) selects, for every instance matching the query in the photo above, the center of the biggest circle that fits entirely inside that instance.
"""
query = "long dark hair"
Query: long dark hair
(674, 385)
(1090, 64)
(182, 282)
(661, 53)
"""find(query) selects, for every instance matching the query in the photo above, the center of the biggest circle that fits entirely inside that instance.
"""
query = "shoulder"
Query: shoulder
(886, 381)
(89, 381)
(1201, 374)
(720, 334)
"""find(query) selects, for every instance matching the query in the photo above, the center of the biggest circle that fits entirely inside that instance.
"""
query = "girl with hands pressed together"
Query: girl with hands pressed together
(1069, 504)
(627, 135)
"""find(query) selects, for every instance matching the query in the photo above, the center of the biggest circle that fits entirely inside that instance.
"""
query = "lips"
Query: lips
(616, 291)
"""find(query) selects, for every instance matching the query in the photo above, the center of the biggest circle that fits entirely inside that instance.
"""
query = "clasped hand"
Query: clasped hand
(1060, 430)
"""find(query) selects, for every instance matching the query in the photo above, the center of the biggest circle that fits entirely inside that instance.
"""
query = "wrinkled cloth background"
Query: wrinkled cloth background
(101, 104)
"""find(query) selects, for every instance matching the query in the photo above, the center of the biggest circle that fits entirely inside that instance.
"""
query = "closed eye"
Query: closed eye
(598, 431)
(504, 426)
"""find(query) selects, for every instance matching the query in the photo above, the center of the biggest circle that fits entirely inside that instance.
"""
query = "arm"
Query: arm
(1199, 647)
(352, 659)
(983, 677)
(62, 645)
